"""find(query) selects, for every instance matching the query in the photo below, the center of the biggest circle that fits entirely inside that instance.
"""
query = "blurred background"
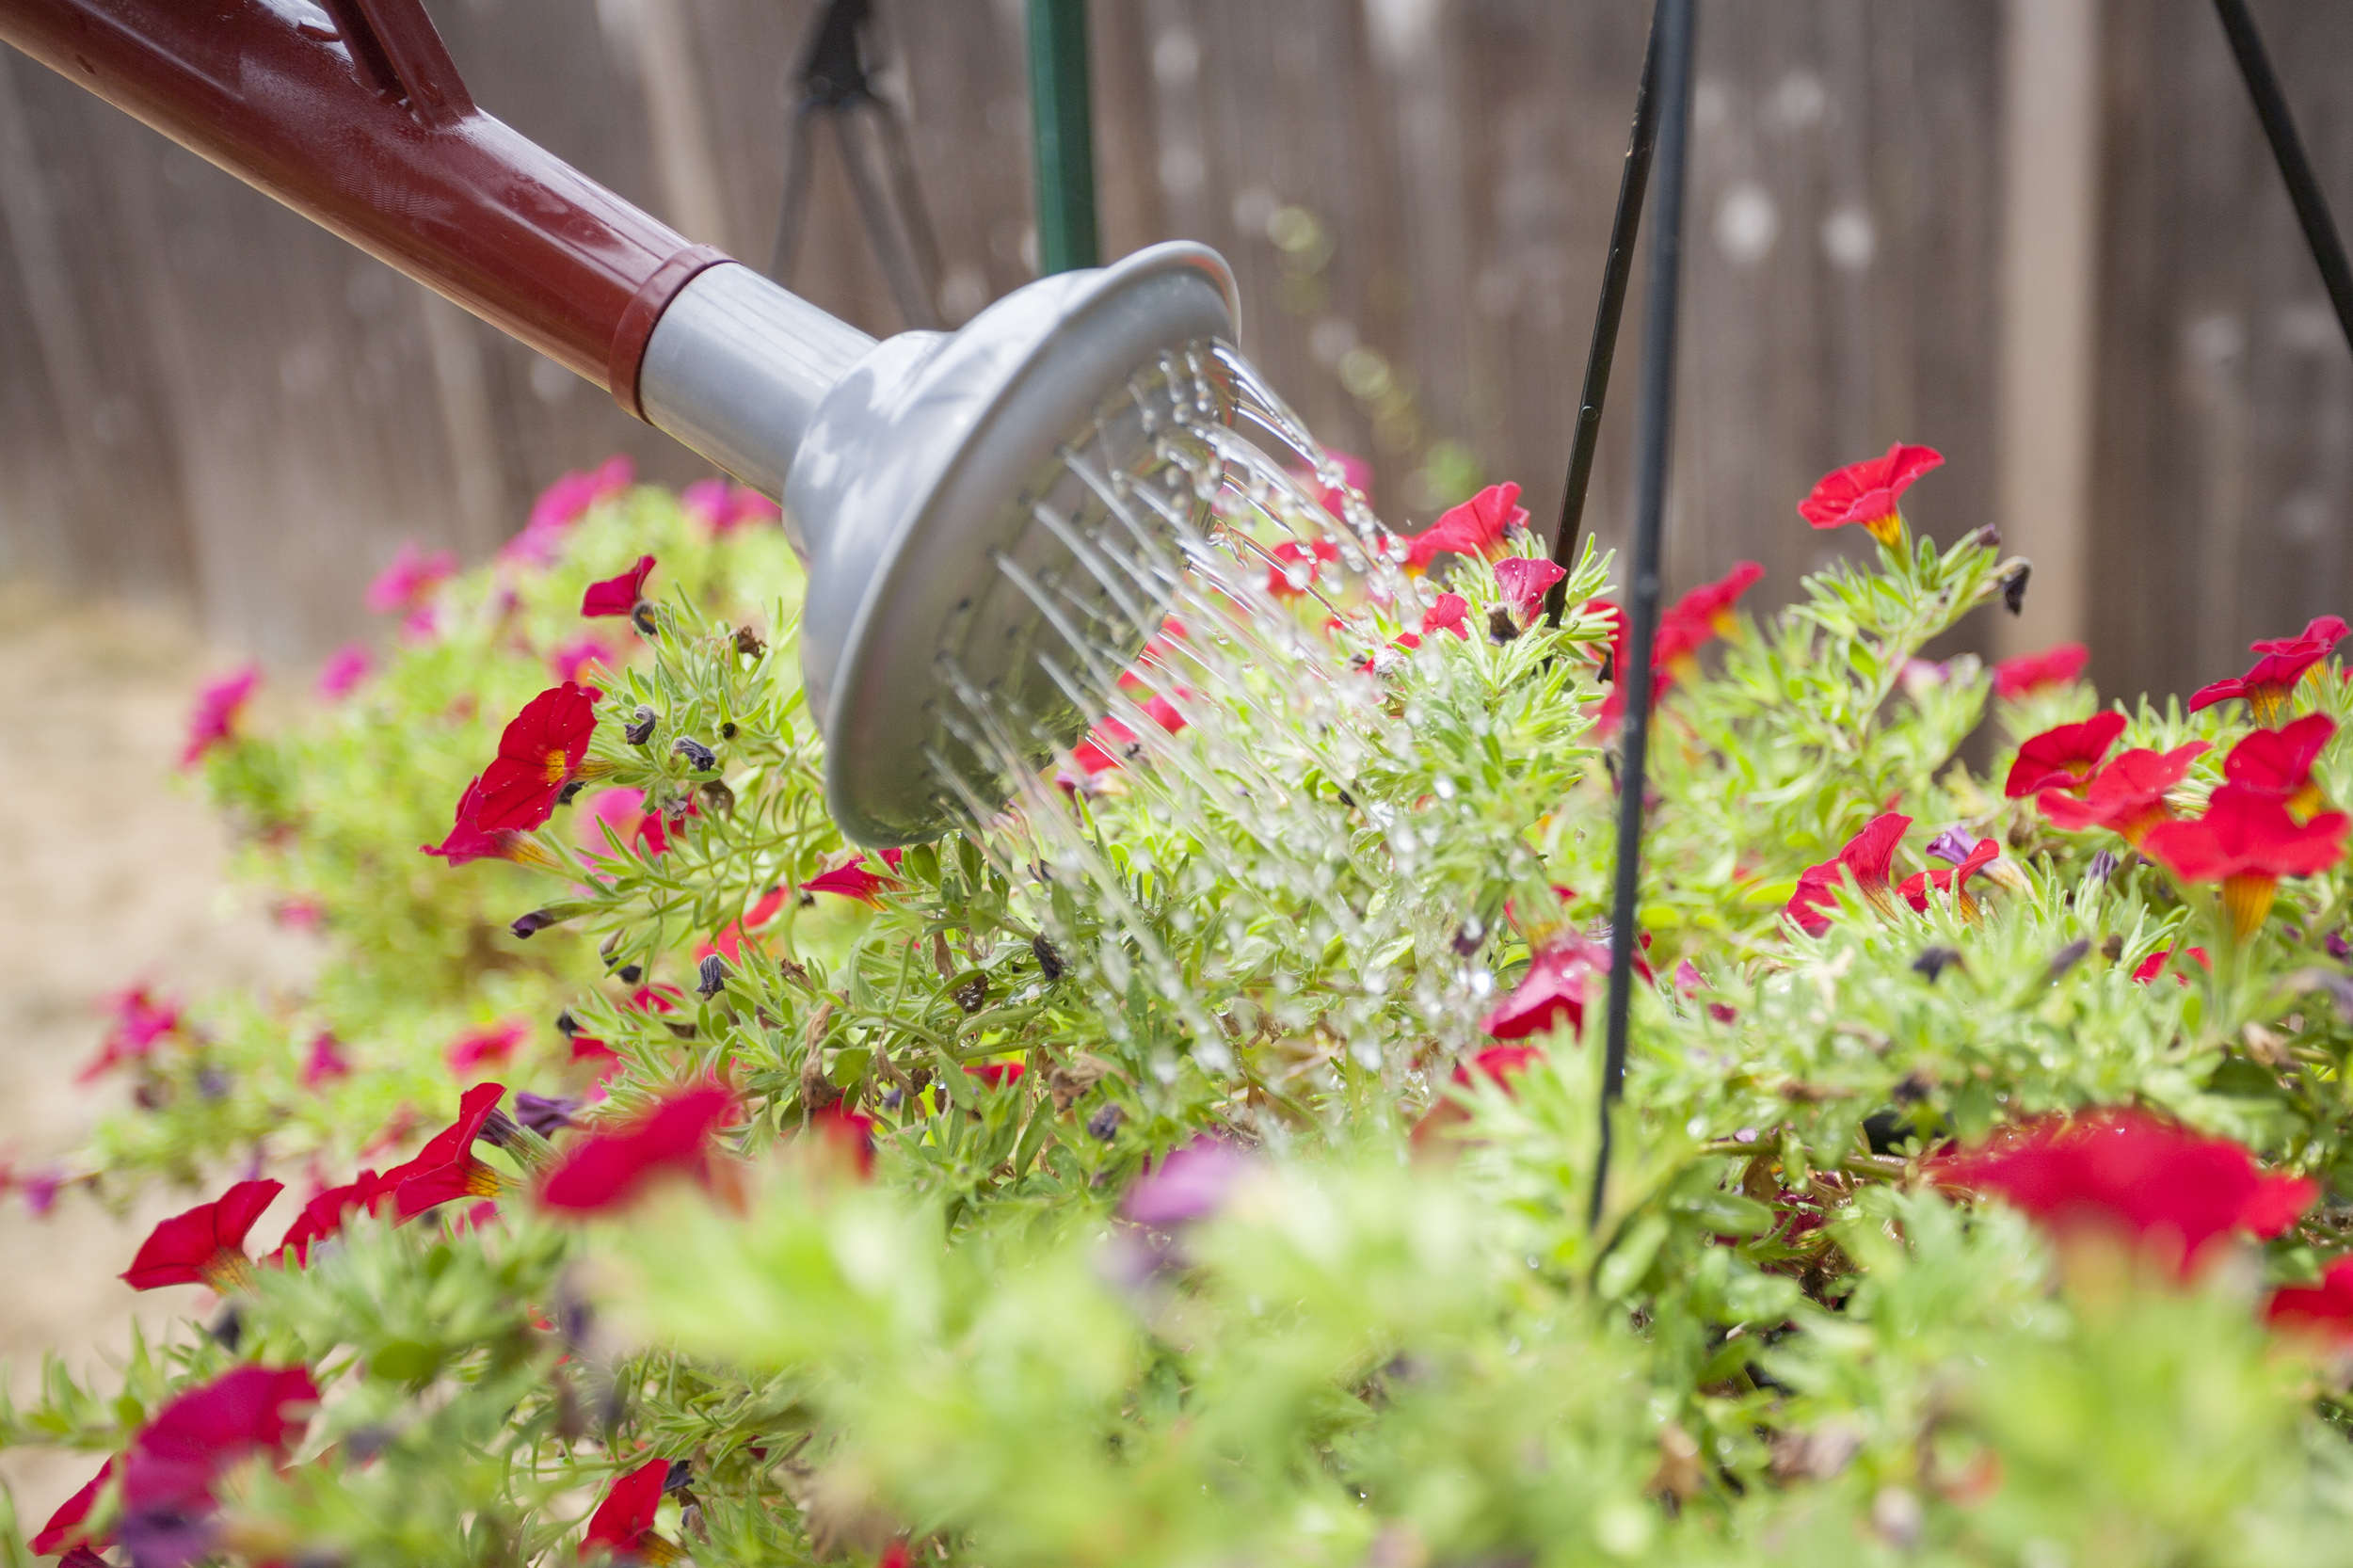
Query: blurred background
(2044, 235)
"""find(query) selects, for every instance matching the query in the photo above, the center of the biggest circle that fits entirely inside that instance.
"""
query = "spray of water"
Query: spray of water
(1198, 512)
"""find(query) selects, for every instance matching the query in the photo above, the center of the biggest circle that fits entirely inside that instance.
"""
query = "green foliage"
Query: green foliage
(1395, 1337)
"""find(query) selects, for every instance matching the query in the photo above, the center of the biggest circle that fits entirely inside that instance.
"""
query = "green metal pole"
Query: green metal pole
(1062, 135)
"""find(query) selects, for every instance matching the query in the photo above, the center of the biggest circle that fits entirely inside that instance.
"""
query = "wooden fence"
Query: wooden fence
(204, 401)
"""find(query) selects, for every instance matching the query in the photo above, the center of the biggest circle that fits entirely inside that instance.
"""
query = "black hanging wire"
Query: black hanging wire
(1615, 275)
(1673, 30)
(2288, 152)
(2287, 149)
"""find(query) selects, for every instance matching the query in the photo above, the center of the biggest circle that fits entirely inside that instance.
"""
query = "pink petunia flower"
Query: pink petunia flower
(214, 720)
(1525, 581)
(407, 584)
(490, 1047)
(2029, 673)
(325, 1061)
(345, 669)
(141, 1020)
(571, 661)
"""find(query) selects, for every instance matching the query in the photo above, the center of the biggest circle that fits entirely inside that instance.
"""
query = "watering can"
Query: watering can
(943, 490)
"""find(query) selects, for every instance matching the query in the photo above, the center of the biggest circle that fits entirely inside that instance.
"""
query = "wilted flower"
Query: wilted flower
(1868, 492)
(214, 720)
(852, 879)
(2031, 673)
(618, 595)
(2161, 1185)
(2282, 663)
(405, 586)
(446, 1168)
(1869, 859)
(1561, 980)
(2064, 757)
(1955, 880)
(614, 1164)
(141, 1019)
(700, 757)
(206, 1244)
(343, 671)
(2127, 796)
(540, 752)
(2279, 762)
(468, 841)
(623, 1526)
(1187, 1184)
(2247, 842)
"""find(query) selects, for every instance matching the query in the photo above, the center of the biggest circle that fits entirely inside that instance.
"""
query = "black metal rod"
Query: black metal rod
(1619, 270)
(2287, 149)
(1675, 27)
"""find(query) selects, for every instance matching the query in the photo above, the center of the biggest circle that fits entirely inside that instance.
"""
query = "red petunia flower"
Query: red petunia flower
(445, 1168)
(1447, 613)
(1561, 980)
(214, 720)
(847, 1133)
(1108, 744)
(469, 840)
(1869, 859)
(1296, 566)
(2064, 757)
(1868, 492)
(477, 1047)
(2280, 662)
(324, 1215)
(623, 1526)
(539, 753)
(1499, 1065)
(2153, 966)
(2031, 673)
(730, 942)
(1525, 581)
(618, 595)
(2279, 762)
(1953, 879)
(997, 1073)
(204, 1245)
(852, 879)
(2247, 842)
(2127, 796)
(2163, 1186)
(141, 1019)
(2324, 1311)
(325, 1061)
(613, 1165)
(65, 1525)
(1712, 604)
(170, 1469)
(405, 586)
(1477, 527)
(345, 669)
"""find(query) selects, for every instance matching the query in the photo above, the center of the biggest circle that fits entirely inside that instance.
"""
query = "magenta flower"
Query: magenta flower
(573, 660)
(1525, 581)
(405, 586)
(345, 669)
(1188, 1184)
(562, 505)
(854, 879)
(479, 1047)
(326, 1062)
(205, 1245)
(214, 721)
(141, 1020)
(614, 1164)
(445, 1168)
(172, 1463)
(1869, 859)
(618, 595)
(722, 508)
(469, 840)
(65, 1525)
(1561, 980)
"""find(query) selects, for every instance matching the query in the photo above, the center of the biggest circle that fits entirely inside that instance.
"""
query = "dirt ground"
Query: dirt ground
(113, 875)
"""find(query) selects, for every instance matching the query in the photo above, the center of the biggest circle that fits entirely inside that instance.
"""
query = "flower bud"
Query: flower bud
(698, 755)
(538, 920)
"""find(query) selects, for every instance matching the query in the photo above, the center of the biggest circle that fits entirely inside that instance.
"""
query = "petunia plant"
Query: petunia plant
(1187, 1160)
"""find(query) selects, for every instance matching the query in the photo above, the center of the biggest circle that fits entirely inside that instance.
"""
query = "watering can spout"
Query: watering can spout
(943, 489)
